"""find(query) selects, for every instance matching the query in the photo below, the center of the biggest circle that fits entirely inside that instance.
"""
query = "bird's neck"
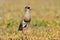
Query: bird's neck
(27, 11)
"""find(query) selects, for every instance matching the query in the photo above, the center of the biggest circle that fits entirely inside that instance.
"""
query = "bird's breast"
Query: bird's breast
(27, 19)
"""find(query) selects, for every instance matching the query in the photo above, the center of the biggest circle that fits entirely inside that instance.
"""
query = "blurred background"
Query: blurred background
(45, 23)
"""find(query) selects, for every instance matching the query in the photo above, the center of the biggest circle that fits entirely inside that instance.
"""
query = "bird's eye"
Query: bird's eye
(28, 7)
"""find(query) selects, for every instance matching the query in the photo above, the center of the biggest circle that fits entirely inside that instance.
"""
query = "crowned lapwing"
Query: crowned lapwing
(25, 19)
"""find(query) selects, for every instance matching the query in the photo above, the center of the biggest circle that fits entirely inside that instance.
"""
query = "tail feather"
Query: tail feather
(20, 27)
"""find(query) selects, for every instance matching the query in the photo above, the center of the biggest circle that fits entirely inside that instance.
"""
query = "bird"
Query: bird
(26, 19)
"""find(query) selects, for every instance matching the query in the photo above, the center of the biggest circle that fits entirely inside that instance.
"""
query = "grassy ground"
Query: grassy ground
(45, 24)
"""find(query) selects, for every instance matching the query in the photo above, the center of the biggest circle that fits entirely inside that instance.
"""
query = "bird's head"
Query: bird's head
(27, 7)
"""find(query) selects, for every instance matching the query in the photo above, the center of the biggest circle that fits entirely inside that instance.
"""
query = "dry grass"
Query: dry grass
(45, 24)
